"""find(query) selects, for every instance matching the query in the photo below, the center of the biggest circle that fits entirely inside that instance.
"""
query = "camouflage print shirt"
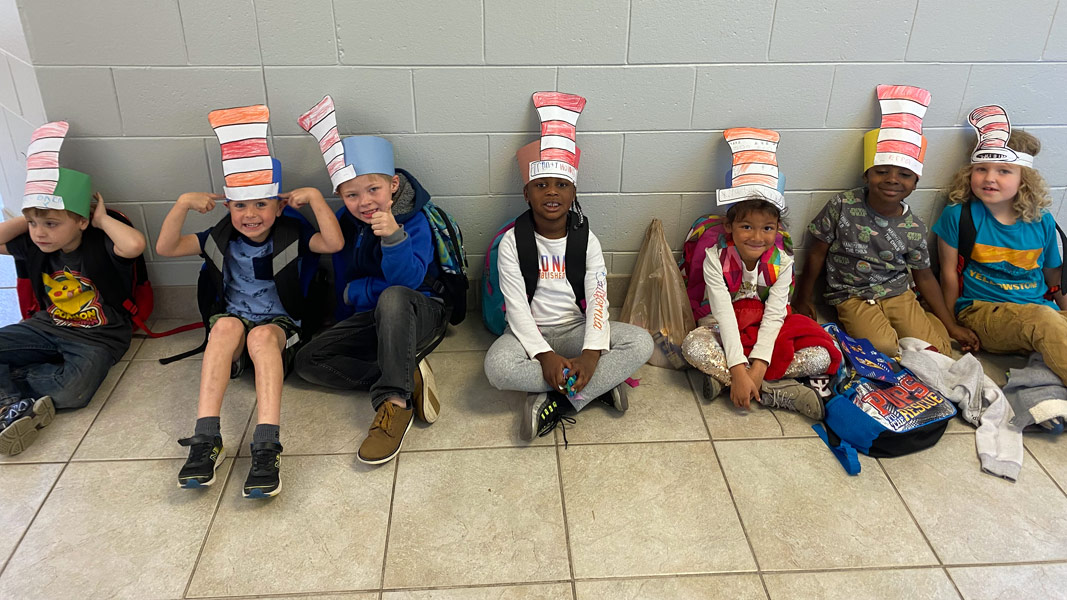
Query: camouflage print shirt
(869, 254)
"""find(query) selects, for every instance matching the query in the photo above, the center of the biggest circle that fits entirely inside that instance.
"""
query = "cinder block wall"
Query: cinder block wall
(450, 82)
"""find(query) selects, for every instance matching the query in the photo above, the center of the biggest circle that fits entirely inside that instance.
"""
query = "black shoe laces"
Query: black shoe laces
(263, 462)
(561, 421)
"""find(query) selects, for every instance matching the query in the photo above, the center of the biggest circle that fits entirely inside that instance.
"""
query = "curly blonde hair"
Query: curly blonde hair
(1033, 196)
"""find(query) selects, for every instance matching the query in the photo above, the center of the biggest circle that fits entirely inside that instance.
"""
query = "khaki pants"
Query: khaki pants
(889, 319)
(1008, 328)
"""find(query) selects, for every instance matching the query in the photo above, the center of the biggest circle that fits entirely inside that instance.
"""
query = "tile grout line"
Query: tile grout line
(910, 513)
(566, 522)
(218, 504)
(729, 490)
(74, 452)
(37, 512)
(1044, 470)
(952, 581)
(389, 525)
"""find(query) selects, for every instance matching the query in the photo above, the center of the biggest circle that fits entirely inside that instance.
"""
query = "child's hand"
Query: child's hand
(552, 366)
(301, 196)
(804, 307)
(583, 368)
(756, 373)
(201, 202)
(383, 223)
(968, 339)
(100, 212)
(742, 389)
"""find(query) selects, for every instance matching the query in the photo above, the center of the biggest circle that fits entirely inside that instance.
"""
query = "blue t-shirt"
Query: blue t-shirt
(1007, 261)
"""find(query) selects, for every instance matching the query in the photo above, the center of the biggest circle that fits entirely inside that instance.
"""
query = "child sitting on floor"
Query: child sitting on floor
(1007, 289)
(869, 239)
(753, 346)
(550, 338)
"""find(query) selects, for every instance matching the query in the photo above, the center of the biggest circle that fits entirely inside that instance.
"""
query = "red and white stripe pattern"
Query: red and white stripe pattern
(42, 166)
(754, 169)
(559, 155)
(991, 124)
(321, 122)
(246, 161)
(900, 137)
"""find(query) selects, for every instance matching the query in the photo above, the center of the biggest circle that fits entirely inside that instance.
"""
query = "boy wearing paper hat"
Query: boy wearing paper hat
(561, 350)
(1009, 286)
(80, 266)
(869, 239)
(258, 263)
(386, 307)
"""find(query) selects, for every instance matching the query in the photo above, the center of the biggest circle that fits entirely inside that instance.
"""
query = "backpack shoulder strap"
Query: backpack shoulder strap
(967, 236)
(577, 244)
(526, 247)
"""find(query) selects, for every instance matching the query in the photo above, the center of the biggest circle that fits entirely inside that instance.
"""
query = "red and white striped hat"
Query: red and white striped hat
(754, 169)
(246, 161)
(899, 141)
(555, 154)
(321, 122)
(991, 124)
(42, 159)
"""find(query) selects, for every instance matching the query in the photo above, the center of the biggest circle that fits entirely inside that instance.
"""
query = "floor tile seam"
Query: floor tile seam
(210, 524)
(1044, 470)
(29, 525)
(911, 514)
(389, 524)
(214, 514)
(103, 403)
(926, 567)
(566, 522)
(952, 580)
(491, 585)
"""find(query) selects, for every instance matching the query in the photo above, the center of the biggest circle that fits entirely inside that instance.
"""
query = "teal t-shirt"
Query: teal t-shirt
(1007, 261)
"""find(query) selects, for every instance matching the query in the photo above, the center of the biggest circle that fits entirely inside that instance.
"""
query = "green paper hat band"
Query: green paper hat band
(74, 192)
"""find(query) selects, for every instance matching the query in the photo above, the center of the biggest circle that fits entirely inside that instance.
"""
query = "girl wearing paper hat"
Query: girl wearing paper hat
(870, 239)
(559, 346)
(739, 271)
(1001, 269)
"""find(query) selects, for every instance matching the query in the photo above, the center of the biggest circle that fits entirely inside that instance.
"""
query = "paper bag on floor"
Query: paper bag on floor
(657, 299)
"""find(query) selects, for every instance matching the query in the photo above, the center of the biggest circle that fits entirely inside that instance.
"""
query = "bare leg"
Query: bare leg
(224, 345)
(265, 345)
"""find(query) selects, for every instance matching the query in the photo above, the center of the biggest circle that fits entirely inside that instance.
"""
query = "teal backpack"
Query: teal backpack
(451, 283)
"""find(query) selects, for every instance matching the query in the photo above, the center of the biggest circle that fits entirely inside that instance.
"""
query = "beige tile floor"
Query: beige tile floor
(678, 499)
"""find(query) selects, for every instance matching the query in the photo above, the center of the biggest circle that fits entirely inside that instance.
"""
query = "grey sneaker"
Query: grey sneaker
(20, 421)
(542, 413)
(712, 388)
(792, 395)
(617, 398)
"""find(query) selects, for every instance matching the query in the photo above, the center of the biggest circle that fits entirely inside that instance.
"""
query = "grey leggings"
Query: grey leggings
(508, 368)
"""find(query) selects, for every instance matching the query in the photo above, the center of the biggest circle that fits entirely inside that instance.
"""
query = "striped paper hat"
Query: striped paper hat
(351, 157)
(555, 154)
(754, 170)
(899, 141)
(246, 161)
(991, 124)
(47, 185)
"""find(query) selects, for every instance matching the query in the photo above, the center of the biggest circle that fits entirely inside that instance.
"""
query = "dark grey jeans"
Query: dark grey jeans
(375, 349)
(34, 363)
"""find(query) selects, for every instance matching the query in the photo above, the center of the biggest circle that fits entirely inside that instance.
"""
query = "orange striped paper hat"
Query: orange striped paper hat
(246, 161)
(754, 169)
(555, 154)
(993, 129)
(899, 141)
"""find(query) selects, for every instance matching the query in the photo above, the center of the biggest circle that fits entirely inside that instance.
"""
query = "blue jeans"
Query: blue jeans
(375, 349)
(35, 363)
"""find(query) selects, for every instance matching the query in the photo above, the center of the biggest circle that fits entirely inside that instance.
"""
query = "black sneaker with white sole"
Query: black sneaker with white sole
(206, 454)
(263, 480)
(618, 398)
(542, 413)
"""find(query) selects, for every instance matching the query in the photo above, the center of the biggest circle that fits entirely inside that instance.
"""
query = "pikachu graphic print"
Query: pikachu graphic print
(73, 300)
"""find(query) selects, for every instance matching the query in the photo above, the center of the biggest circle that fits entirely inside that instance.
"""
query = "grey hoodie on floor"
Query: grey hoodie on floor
(981, 403)
(1035, 393)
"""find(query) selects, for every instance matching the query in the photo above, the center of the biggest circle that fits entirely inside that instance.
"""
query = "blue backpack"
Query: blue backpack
(493, 308)
(451, 283)
(878, 407)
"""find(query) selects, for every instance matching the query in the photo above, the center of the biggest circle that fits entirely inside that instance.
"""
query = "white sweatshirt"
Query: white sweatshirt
(553, 301)
(722, 309)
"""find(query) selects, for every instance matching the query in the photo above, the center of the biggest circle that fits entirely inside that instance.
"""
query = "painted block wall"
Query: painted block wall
(450, 82)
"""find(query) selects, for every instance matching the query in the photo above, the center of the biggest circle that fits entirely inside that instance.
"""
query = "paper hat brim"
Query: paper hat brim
(532, 167)
(74, 192)
(871, 157)
(368, 154)
(257, 192)
(729, 179)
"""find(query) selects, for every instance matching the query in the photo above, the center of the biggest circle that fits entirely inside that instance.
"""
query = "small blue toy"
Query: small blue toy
(569, 387)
